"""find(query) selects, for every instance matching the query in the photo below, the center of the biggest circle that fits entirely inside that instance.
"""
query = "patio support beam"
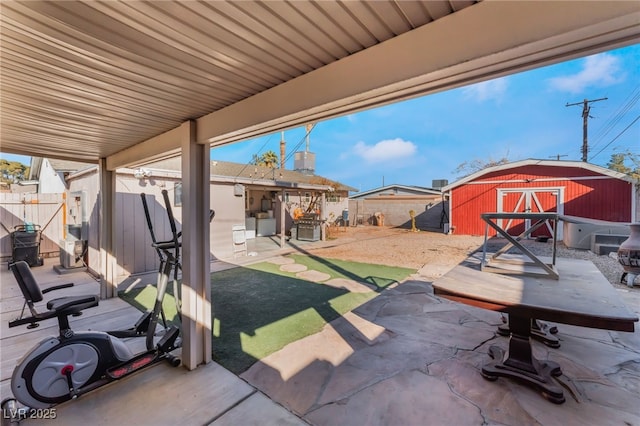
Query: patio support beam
(108, 264)
(164, 145)
(196, 281)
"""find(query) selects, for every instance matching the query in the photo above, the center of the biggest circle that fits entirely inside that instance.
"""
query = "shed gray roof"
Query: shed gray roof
(421, 190)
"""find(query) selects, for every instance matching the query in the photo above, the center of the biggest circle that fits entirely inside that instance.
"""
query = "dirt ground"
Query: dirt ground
(401, 247)
(398, 247)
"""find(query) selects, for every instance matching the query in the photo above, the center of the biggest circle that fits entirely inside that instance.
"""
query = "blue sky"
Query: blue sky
(519, 116)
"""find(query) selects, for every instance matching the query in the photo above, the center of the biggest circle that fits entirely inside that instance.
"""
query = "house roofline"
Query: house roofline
(176, 174)
(428, 191)
(531, 161)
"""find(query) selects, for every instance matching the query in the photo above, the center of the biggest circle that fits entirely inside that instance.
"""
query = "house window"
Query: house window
(333, 198)
(307, 196)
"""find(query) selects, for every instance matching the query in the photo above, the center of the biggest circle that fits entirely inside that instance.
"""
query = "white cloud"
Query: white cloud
(598, 70)
(492, 89)
(390, 149)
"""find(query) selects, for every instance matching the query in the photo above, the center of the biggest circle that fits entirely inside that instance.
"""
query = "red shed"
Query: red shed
(571, 188)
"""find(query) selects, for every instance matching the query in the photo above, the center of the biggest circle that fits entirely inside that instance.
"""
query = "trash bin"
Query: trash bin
(345, 217)
(25, 244)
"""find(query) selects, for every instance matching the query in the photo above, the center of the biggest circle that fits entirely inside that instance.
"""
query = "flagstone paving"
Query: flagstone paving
(293, 267)
(350, 285)
(408, 357)
(315, 276)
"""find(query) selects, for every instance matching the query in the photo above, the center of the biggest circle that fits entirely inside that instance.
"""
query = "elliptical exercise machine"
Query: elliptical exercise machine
(174, 244)
(64, 367)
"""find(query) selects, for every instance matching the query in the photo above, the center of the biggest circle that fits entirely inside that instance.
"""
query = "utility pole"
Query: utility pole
(283, 149)
(585, 119)
(557, 156)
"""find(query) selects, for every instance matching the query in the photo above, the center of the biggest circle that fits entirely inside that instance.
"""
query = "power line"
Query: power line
(303, 139)
(259, 151)
(619, 134)
(622, 111)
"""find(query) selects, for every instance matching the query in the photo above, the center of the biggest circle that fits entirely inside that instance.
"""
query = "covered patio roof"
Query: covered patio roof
(90, 80)
(126, 83)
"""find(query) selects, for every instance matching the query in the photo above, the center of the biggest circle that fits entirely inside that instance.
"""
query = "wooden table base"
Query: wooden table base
(541, 331)
(519, 363)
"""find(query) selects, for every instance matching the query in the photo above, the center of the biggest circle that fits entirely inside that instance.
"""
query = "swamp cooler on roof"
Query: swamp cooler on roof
(304, 162)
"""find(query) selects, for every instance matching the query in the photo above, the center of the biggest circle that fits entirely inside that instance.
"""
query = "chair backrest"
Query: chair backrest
(239, 239)
(26, 281)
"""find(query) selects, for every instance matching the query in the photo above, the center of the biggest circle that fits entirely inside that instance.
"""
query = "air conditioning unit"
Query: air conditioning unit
(71, 253)
(439, 183)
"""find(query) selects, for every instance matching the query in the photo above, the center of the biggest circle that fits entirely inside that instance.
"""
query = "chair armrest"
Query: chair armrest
(57, 287)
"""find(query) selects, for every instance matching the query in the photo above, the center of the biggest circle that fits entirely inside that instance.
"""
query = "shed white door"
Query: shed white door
(530, 200)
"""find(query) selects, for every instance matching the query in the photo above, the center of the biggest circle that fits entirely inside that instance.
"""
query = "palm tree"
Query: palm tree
(268, 159)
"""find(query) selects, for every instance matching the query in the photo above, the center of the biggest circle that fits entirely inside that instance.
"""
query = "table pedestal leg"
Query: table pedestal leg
(519, 363)
(540, 331)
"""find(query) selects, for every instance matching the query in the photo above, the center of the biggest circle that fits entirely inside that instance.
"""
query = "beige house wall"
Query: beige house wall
(133, 249)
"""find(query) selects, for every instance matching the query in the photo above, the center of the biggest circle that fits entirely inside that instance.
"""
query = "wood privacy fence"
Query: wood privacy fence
(46, 210)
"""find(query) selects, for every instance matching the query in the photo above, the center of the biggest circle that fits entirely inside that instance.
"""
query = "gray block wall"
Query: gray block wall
(428, 213)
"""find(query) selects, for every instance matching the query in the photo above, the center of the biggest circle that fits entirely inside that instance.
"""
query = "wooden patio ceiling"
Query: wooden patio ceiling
(106, 79)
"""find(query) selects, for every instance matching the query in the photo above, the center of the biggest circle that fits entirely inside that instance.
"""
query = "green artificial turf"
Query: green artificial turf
(259, 309)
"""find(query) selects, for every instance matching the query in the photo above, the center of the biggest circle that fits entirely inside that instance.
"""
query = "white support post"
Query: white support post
(283, 228)
(196, 275)
(323, 216)
(108, 264)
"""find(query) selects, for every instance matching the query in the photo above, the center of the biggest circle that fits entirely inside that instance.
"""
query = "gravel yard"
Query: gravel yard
(400, 247)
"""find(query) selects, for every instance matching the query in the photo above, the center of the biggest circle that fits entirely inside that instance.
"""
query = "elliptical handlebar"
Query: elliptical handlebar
(174, 242)
(166, 245)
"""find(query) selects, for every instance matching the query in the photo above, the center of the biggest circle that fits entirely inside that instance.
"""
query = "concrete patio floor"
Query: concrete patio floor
(406, 357)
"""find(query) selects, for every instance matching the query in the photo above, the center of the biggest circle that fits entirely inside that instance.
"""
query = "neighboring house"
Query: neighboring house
(394, 202)
(571, 188)
(25, 186)
(50, 174)
(256, 197)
